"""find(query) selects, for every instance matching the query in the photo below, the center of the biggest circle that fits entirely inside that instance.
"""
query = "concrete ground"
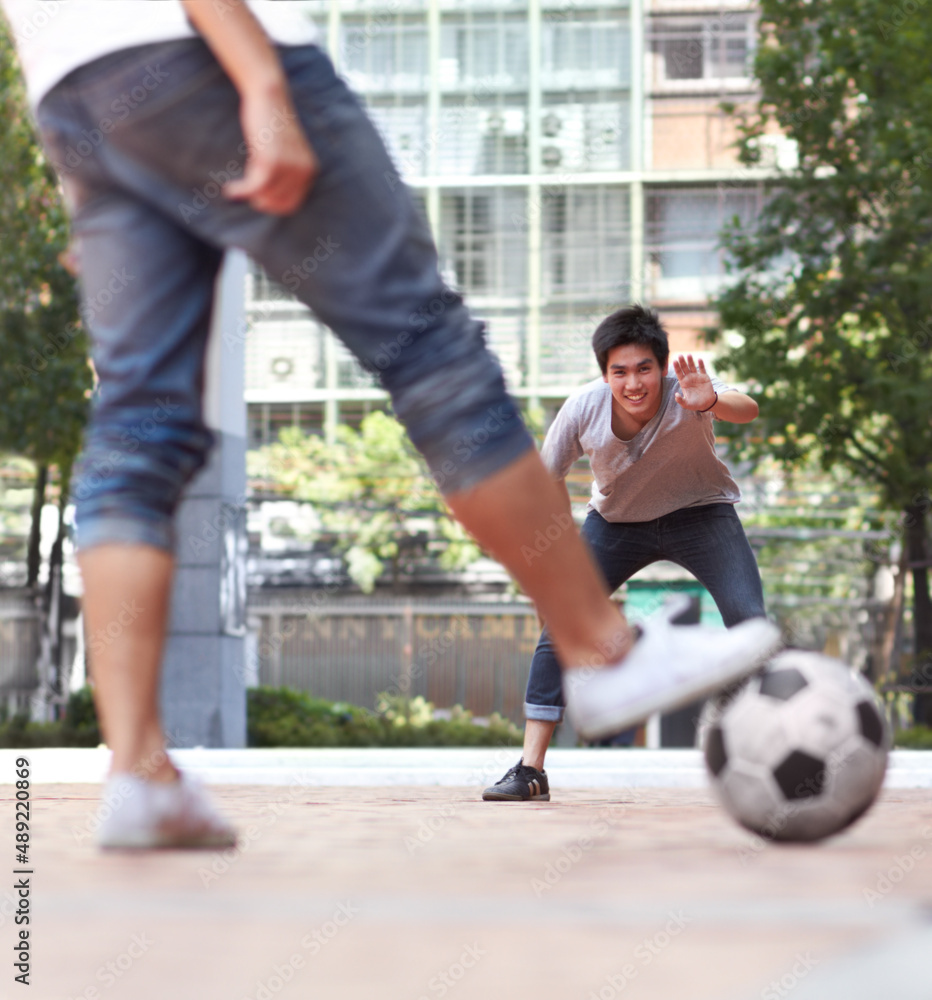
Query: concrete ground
(342, 891)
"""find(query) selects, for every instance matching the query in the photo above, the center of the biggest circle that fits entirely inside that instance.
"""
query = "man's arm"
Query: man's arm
(697, 394)
(567, 506)
(560, 450)
(736, 407)
(565, 511)
(281, 168)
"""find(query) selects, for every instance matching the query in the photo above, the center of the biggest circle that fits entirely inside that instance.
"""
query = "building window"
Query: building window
(691, 52)
(404, 129)
(261, 288)
(284, 357)
(483, 241)
(685, 262)
(385, 53)
(580, 136)
(486, 52)
(479, 136)
(586, 236)
(585, 53)
(566, 358)
(265, 421)
(350, 374)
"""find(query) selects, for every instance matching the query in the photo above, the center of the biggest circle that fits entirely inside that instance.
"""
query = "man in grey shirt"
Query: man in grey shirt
(659, 492)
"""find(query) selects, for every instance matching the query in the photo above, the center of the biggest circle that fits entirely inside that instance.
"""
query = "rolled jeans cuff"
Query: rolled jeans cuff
(543, 713)
(124, 530)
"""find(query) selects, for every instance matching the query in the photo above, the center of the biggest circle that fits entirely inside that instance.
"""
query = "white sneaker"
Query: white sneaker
(667, 667)
(144, 814)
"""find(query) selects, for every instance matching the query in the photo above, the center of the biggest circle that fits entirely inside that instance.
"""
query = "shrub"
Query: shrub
(78, 727)
(80, 722)
(282, 717)
(917, 738)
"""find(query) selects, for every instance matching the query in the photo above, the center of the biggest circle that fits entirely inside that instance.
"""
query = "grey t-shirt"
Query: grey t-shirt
(668, 465)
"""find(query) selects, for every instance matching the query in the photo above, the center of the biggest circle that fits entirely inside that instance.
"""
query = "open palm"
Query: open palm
(696, 392)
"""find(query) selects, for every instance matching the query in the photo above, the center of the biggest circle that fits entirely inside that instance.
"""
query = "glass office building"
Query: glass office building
(571, 156)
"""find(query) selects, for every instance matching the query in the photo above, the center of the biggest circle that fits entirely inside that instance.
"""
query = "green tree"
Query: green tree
(373, 493)
(831, 305)
(45, 378)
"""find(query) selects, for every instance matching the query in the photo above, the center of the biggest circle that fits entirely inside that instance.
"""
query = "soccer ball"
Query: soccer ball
(799, 752)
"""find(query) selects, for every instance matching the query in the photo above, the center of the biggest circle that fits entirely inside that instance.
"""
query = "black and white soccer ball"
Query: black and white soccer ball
(800, 751)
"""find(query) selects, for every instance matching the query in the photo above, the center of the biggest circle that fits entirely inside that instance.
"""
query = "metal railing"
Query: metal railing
(20, 625)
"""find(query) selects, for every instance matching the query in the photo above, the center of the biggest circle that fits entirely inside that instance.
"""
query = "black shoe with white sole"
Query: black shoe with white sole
(520, 784)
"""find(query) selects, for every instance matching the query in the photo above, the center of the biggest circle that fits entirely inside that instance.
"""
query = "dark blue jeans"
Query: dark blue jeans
(144, 189)
(707, 541)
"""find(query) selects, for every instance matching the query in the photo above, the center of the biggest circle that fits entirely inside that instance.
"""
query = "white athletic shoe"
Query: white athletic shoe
(145, 814)
(668, 666)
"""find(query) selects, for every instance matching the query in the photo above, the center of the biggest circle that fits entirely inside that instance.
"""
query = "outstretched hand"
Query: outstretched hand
(696, 392)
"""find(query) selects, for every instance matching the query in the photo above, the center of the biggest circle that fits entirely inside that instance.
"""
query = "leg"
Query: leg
(619, 551)
(671, 666)
(710, 542)
(145, 440)
(125, 670)
(537, 736)
(506, 513)
(147, 289)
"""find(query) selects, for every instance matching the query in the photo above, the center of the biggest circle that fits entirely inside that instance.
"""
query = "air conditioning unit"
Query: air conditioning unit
(551, 156)
(282, 367)
(550, 125)
(504, 121)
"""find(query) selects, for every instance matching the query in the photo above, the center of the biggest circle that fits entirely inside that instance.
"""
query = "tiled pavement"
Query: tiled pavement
(423, 891)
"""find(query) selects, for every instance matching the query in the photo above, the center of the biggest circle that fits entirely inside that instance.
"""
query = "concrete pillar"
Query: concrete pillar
(204, 667)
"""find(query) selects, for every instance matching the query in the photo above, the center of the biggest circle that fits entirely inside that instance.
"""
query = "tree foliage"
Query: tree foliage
(830, 311)
(373, 495)
(45, 377)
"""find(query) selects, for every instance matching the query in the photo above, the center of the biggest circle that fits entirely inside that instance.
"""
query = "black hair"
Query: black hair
(631, 325)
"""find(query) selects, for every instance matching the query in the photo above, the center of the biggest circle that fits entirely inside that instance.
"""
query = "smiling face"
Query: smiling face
(635, 378)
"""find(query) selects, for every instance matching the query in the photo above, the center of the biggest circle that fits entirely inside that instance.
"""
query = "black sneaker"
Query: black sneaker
(520, 784)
